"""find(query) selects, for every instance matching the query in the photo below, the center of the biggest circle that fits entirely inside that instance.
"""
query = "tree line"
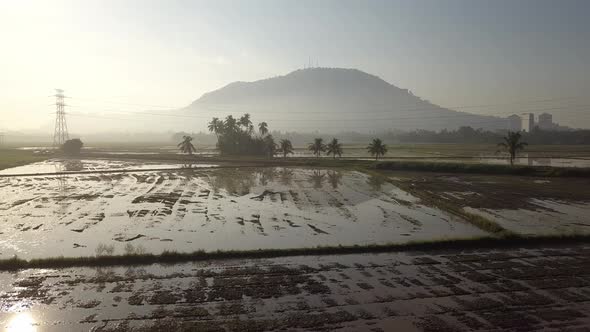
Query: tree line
(237, 136)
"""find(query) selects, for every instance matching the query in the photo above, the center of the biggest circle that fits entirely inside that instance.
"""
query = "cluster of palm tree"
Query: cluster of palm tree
(334, 148)
(238, 137)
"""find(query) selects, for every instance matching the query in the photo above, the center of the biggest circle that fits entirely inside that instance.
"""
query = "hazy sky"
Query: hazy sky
(111, 54)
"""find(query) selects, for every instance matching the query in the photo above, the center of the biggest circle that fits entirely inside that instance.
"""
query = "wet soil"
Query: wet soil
(525, 205)
(518, 289)
(212, 209)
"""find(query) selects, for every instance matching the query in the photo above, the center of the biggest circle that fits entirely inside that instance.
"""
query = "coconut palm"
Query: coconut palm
(230, 125)
(263, 128)
(334, 148)
(285, 147)
(377, 148)
(317, 147)
(270, 146)
(246, 123)
(512, 145)
(186, 146)
(215, 126)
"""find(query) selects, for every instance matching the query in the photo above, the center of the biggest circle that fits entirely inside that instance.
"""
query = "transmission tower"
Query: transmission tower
(60, 134)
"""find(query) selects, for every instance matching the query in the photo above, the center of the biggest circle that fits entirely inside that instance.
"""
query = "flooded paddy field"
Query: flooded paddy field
(90, 165)
(522, 204)
(211, 209)
(516, 289)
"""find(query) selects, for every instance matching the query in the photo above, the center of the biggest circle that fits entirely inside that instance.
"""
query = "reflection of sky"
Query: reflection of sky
(22, 322)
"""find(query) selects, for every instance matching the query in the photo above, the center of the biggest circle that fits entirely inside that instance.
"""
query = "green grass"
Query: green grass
(170, 257)
(474, 168)
(13, 157)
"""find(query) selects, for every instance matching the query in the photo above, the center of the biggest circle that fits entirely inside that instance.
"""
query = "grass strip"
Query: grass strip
(171, 257)
(475, 168)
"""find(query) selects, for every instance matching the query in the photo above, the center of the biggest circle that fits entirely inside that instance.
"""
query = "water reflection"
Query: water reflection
(286, 176)
(266, 175)
(376, 182)
(233, 181)
(22, 322)
(335, 178)
(317, 179)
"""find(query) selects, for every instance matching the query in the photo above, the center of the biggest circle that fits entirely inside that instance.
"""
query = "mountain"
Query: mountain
(333, 99)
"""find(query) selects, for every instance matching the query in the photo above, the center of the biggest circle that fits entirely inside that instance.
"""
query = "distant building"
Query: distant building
(528, 122)
(514, 123)
(546, 121)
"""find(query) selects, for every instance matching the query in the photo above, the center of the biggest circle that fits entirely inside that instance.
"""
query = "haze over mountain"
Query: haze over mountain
(333, 99)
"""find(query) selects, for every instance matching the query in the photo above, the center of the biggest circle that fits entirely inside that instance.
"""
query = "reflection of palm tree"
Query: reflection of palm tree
(266, 175)
(317, 179)
(233, 181)
(335, 177)
(286, 175)
(376, 182)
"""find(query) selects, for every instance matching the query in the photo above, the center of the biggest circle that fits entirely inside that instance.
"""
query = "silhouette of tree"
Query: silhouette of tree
(285, 147)
(186, 146)
(215, 126)
(334, 148)
(246, 123)
(263, 128)
(270, 146)
(72, 147)
(512, 145)
(377, 148)
(317, 147)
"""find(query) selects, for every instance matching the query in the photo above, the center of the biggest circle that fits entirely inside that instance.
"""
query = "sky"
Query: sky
(131, 55)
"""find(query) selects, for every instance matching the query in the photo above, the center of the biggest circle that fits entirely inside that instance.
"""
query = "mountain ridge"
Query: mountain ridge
(326, 92)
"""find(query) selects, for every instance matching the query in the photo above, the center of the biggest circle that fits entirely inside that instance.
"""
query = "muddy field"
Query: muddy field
(89, 165)
(229, 208)
(525, 205)
(519, 289)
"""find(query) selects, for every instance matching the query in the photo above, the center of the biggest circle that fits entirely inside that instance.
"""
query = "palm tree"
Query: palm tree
(270, 146)
(512, 145)
(246, 123)
(285, 147)
(377, 148)
(263, 128)
(186, 146)
(334, 148)
(317, 147)
(231, 124)
(215, 126)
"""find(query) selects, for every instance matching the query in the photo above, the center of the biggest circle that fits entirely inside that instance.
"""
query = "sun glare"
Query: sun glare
(22, 322)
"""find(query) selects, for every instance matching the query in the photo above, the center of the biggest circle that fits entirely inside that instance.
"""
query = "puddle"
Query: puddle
(210, 209)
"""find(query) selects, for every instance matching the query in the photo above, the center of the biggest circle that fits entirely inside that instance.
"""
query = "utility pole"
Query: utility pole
(1, 139)
(60, 133)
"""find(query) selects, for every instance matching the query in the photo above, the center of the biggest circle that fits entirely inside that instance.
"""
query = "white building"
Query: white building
(514, 123)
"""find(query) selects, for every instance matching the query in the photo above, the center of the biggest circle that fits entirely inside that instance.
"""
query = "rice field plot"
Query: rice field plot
(525, 205)
(211, 209)
(515, 289)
